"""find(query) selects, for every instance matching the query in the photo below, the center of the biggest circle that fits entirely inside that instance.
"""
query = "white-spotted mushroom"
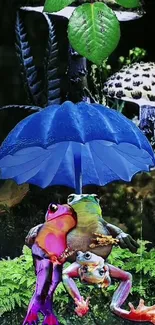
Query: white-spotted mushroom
(133, 83)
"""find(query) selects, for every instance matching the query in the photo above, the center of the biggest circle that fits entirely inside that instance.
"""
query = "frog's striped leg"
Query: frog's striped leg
(123, 289)
(67, 277)
(142, 313)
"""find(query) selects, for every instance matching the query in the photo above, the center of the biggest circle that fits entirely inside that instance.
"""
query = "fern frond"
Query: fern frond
(52, 82)
(28, 69)
(22, 107)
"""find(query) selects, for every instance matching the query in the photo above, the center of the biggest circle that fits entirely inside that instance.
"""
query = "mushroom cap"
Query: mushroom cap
(134, 83)
(121, 14)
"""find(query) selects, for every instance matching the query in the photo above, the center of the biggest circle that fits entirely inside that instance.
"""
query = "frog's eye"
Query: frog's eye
(101, 272)
(87, 256)
(53, 207)
(70, 198)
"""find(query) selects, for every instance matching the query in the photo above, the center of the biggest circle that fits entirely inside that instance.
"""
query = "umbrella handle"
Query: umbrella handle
(77, 167)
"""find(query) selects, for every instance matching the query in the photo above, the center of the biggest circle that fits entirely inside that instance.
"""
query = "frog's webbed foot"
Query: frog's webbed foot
(31, 319)
(142, 313)
(126, 241)
(103, 240)
(82, 306)
(50, 320)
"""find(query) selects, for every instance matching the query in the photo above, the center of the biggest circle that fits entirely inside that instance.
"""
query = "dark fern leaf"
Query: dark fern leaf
(28, 69)
(52, 82)
(23, 107)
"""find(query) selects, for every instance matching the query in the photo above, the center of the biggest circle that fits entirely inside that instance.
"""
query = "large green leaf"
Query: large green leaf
(129, 3)
(94, 31)
(56, 5)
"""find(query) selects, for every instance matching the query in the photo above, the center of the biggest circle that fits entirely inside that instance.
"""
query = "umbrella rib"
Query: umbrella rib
(50, 154)
(101, 160)
(58, 165)
(135, 157)
(94, 163)
(26, 162)
(33, 167)
(109, 167)
(116, 147)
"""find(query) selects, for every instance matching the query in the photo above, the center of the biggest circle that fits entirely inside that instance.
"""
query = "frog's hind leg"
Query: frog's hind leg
(44, 270)
(68, 274)
(140, 314)
(67, 277)
(50, 318)
(122, 291)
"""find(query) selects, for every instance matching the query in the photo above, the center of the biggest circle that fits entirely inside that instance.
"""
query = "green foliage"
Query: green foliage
(98, 76)
(55, 5)
(94, 31)
(129, 3)
(141, 265)
(16, 281)
(135, 55)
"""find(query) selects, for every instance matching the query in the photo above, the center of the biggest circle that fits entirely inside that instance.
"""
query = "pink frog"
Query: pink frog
(50, 243)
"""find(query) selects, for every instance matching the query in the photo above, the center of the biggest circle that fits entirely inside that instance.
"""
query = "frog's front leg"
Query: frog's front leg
(142, 313)
(32, 234)
(124, 239)
(67, 277)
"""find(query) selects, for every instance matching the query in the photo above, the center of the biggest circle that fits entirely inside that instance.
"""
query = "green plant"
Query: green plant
(17, 281)
(98, 76)
(93, 28)
(135, 55)
(141, 265)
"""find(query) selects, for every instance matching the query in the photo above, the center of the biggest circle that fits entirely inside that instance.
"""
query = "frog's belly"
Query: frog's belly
(80, 242)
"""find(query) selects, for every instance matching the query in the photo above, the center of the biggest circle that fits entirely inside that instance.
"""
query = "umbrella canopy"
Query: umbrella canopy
(64, 142)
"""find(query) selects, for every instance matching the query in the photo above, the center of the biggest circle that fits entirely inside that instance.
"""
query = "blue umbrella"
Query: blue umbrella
(74, 145)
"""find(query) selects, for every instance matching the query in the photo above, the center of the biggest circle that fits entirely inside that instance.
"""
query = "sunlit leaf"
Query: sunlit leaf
(94, 31)
(129, 3)
(56, 5)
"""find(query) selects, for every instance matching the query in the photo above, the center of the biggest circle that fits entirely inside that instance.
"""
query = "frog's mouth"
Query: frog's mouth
(73, 212)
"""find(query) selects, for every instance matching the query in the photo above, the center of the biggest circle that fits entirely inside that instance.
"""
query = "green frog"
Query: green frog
(92, 232)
